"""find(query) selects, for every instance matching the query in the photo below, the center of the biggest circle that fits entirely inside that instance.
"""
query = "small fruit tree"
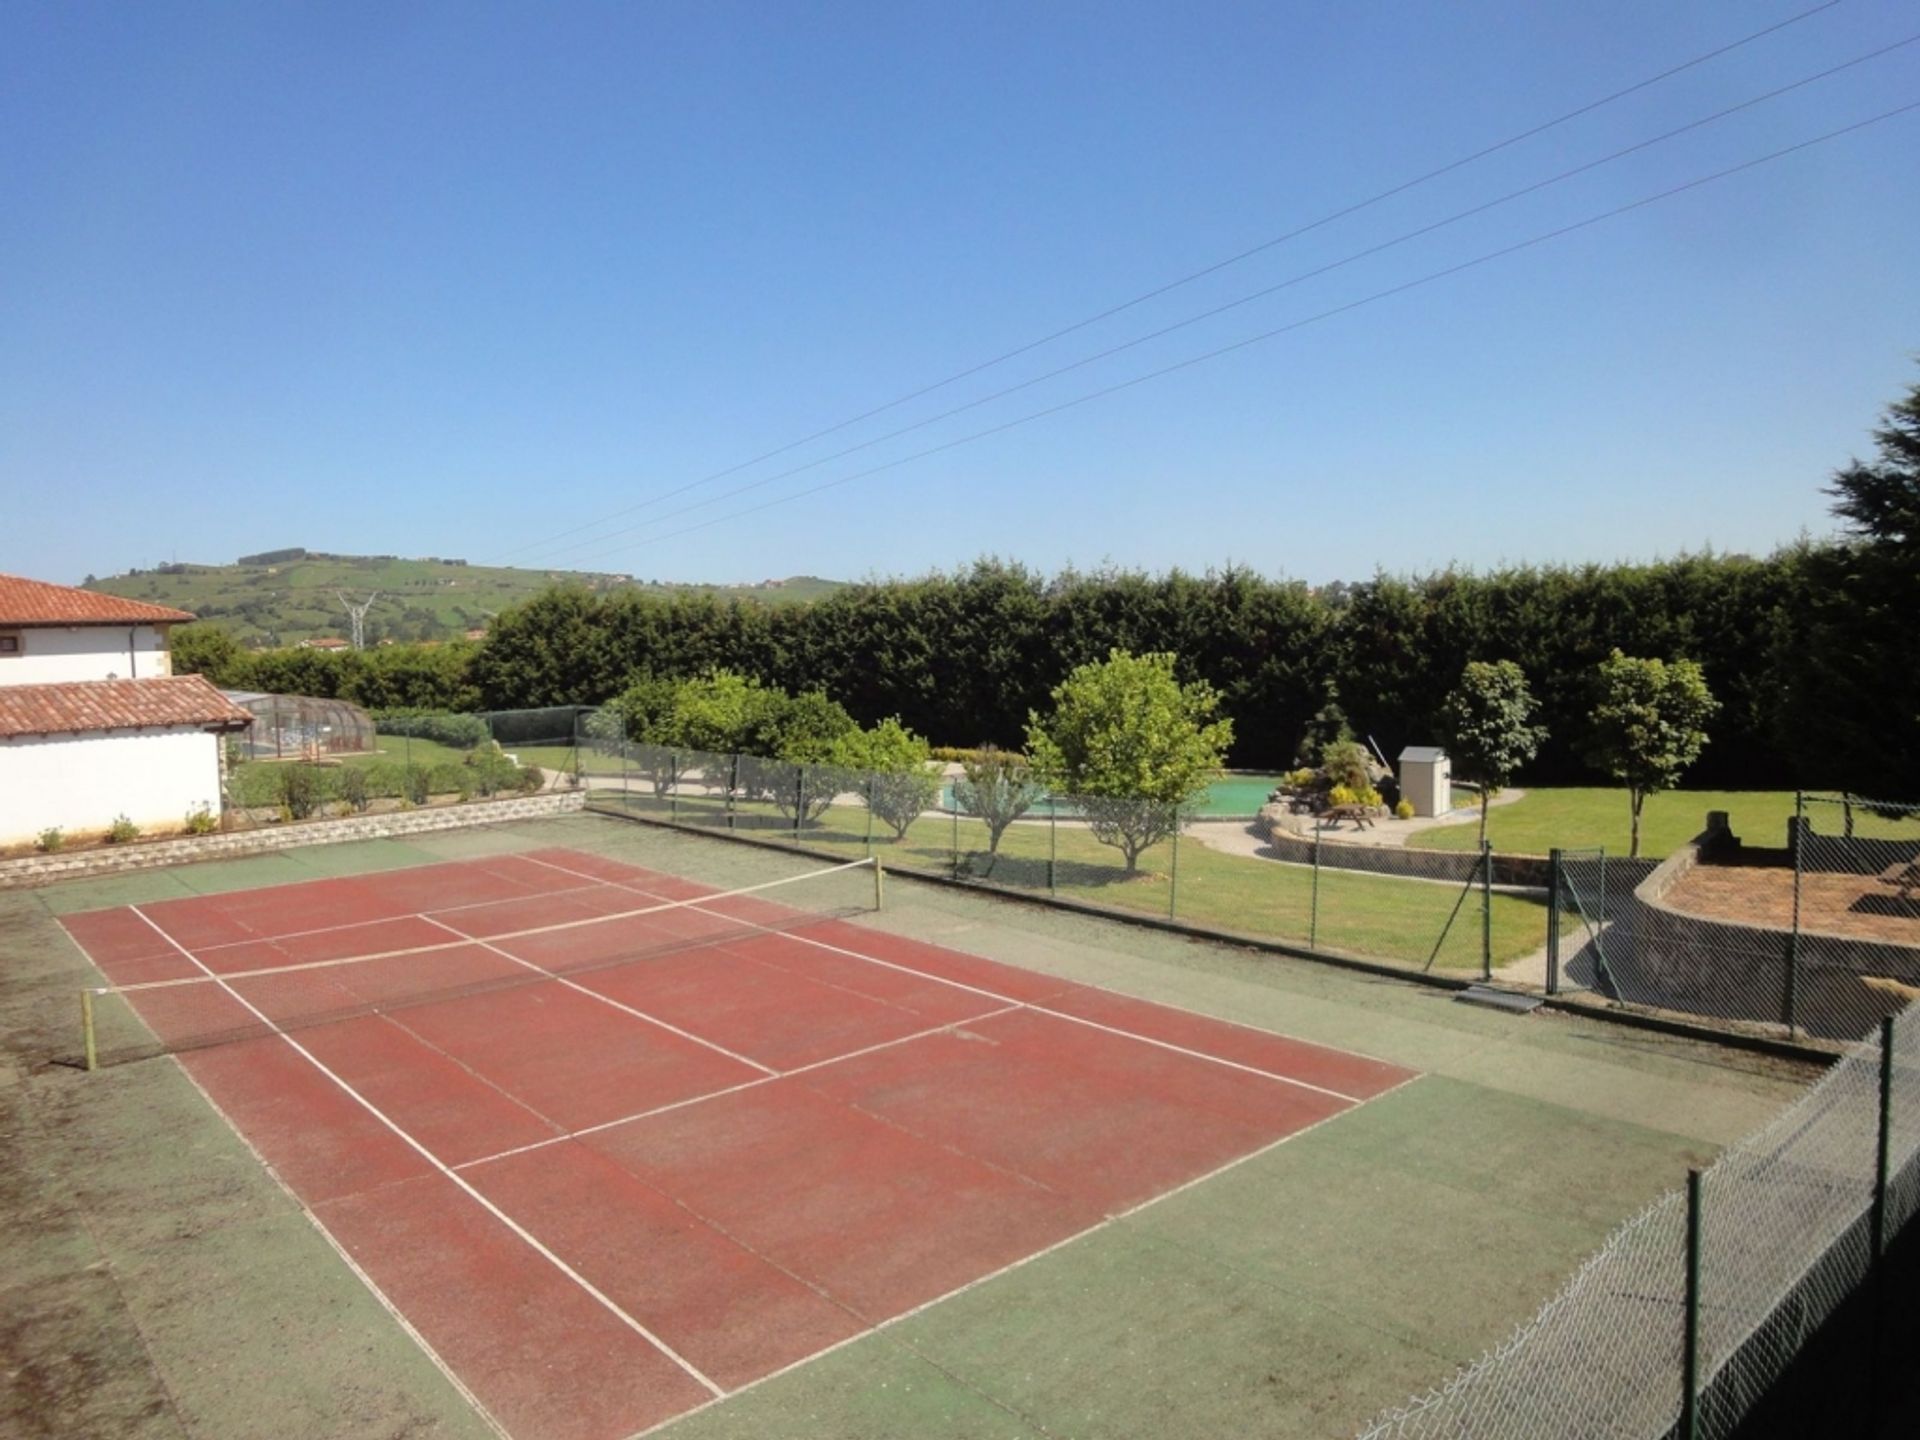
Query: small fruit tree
(1131, 745)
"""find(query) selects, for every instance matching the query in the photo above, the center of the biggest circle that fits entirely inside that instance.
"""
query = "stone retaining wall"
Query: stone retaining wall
(1459, 866)
(145, 855)
(1660, 955)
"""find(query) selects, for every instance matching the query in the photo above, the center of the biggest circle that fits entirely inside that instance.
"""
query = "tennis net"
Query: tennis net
(186, 1001)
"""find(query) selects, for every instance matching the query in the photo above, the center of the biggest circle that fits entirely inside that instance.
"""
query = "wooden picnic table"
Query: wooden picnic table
(1361, 815)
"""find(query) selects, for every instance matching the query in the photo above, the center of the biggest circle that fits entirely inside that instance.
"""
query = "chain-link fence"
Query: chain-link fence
(1420, 910)
(406, 760)
(1691, 1311)
(1820, 938)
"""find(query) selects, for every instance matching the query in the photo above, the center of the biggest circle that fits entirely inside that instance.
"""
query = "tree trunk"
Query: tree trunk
(1637, 798)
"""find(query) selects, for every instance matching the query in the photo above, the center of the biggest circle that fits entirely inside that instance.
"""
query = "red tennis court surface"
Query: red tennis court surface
(607, 1191)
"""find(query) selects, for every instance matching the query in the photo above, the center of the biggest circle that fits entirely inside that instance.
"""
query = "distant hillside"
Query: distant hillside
(281, 596)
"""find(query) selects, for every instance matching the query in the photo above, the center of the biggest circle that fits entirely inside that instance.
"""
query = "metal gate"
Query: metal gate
(1577, 922)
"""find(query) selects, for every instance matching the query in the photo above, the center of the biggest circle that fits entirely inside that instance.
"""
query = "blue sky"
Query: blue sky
(454, 279)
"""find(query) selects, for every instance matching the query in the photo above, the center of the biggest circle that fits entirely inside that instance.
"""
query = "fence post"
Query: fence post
(1486, 910)
(1313, 902)
(1553, 921)
(799, 799)
(1173, 871)
(733, 786)
(953, 845)
(1791, 1002)
(879, 885)
(673, 786)
(1053, 850)
(91, 1045)
(626, 788)
(1690, 1337)
(873, 779)
(1876, 1341)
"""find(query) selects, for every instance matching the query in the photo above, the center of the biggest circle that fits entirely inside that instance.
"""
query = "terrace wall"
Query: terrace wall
(44, 869)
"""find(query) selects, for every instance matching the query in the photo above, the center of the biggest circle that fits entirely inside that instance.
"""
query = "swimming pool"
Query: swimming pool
(1228, 798)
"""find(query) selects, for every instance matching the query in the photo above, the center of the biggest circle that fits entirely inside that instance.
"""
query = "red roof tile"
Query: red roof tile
(75, 705)
(37, 602)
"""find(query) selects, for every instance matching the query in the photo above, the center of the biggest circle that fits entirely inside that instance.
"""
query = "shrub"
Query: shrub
(415, 783)
(356, 788)
(447, 778)
(489, 772)
(1344, 764)
(1305, 778)
(1342, 795)
(532, 779)
(303, 790)
(50, 839)
(201, 821)
(122, 830)
(460, 732)
(1404, 810)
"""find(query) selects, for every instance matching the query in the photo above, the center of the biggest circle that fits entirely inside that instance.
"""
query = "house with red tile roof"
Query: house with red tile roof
(94, 725)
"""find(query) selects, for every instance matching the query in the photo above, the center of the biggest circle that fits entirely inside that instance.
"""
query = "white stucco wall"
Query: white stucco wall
(52, 653)
(81, 782)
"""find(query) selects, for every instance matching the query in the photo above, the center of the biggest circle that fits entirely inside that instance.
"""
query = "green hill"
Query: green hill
(282, 596)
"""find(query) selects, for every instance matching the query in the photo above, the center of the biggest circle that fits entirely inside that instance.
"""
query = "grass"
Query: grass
(256, 782)
(1575, 817)
(1377, 916)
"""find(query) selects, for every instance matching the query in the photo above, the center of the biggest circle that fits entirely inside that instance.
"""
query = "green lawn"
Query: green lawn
(1371, 915)
(1575, 817)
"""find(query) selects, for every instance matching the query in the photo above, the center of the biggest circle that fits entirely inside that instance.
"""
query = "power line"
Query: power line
(1277, 331)
(1187, 279)
(1221, 309)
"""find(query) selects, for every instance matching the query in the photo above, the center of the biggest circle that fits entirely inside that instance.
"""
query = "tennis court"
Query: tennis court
(615, 1145)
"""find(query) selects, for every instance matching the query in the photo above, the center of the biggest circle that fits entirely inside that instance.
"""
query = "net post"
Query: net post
(89, 1043)
(1486, 910)
(879, 884)
(1554, 863)
(1690, 1336)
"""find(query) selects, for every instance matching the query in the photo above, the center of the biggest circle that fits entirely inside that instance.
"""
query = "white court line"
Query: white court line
(412, 1332)
(505, 1219)
(767, 1070)
(410, 950)
(1036, 1007)
(1007, 1269)
(385, 919)
(736, 1089)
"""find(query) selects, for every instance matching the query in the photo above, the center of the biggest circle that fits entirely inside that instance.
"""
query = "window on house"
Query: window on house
(9, 643)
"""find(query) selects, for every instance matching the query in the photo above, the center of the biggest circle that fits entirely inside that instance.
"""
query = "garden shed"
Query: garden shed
(1426, 779)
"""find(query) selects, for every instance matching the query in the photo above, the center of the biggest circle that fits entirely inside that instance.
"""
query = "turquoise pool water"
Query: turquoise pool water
(1229, 797)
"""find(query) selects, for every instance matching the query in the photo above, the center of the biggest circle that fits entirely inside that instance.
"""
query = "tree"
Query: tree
(1851, 716)
(997, 787)
(1132, 744)
(1488, 722)
(207, 650)
(1880, 499)
(1648, 725)
(889, 766)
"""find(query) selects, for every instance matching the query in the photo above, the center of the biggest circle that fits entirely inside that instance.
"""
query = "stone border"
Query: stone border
(112, 859)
